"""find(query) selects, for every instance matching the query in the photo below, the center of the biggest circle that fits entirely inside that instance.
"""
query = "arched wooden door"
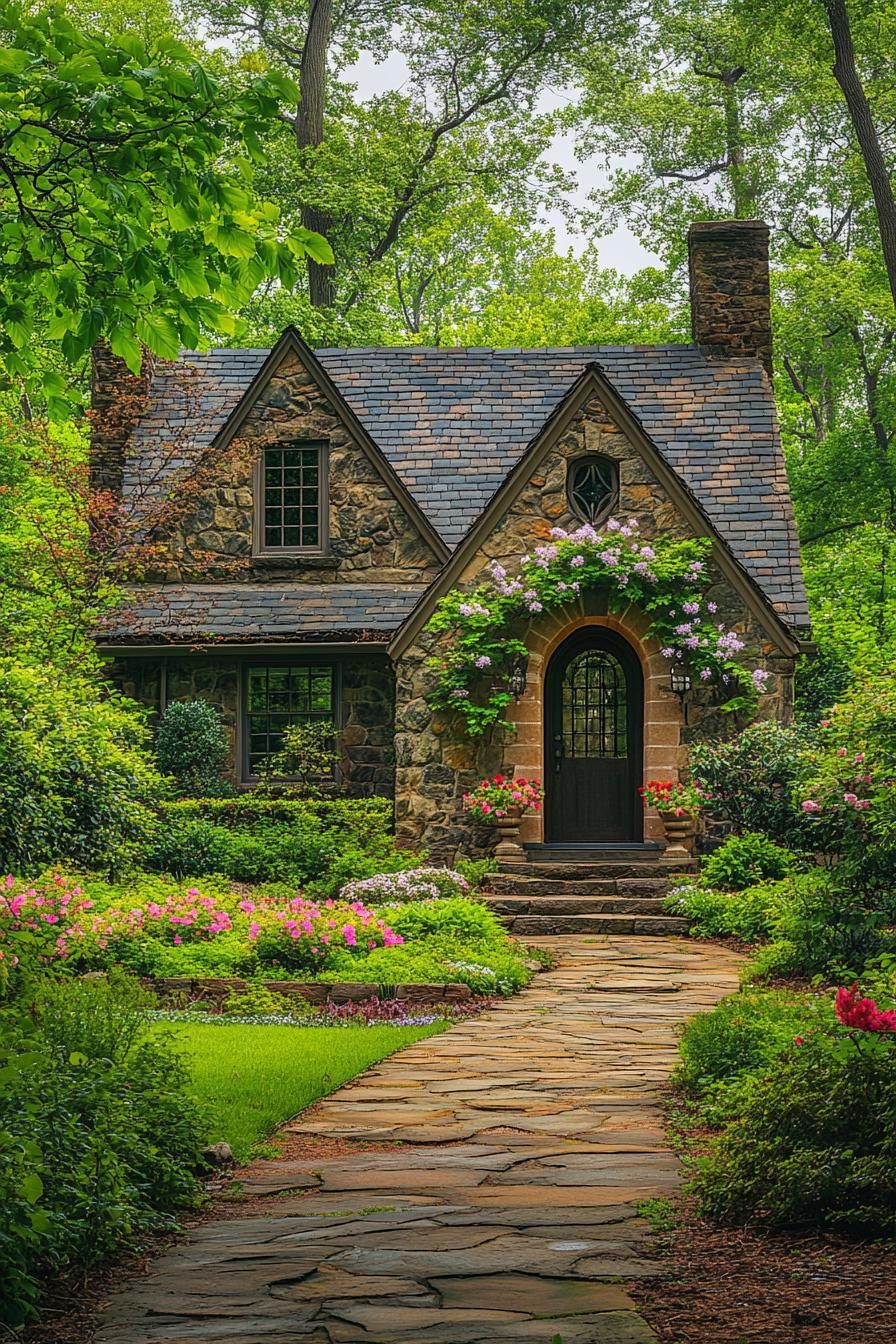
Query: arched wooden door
(594, 747)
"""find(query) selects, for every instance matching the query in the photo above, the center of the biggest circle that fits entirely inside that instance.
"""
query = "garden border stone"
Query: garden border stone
(311, 991)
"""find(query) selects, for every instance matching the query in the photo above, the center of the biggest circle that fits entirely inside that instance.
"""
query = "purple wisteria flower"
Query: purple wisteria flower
(705, 673)
(483, 661)
(577, 561)
(690, 608)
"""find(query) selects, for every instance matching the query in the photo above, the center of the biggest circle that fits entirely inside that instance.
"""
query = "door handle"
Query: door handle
(558, 754)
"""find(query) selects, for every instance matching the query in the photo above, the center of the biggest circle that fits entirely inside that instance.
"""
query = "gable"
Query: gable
(212, 500)
(592, 421)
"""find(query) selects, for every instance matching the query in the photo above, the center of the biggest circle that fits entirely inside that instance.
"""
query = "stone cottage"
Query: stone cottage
(299, 514)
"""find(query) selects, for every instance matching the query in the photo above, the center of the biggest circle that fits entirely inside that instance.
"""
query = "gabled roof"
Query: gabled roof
(178, 613)
(591, 383)
(453, 423)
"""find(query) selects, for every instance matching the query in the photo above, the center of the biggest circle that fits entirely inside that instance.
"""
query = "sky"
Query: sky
(619, 249)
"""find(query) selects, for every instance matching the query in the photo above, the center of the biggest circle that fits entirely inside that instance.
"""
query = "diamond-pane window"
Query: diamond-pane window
(291, 510)
(592, 486)
(279, 696)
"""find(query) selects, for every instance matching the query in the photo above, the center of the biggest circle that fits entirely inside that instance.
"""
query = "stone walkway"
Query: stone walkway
(508, 1211)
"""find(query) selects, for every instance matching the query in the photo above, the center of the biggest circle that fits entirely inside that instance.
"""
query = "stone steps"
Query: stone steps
(613, 869)
(578, 904)
(537, 888)
(540, 926)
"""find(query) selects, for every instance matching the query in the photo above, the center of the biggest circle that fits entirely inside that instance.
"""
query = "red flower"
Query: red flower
(862, 1014)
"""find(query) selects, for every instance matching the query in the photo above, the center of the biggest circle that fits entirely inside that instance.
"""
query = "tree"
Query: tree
(465, 125)
(127, 208)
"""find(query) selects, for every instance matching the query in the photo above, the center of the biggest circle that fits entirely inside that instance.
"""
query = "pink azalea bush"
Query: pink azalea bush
(56, 921)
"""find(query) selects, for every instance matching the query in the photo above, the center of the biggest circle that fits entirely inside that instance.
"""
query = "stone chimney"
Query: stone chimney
(730, 299)
(117, 401)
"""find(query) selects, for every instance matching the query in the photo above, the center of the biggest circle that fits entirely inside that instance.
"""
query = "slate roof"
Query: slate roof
(452, 422)
(198, 612)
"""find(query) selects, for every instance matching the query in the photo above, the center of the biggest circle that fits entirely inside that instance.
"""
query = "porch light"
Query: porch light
(680, 679)
(518, 675)
(680, 682)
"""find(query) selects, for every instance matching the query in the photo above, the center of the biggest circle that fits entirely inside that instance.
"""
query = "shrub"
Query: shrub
(310, 938)
(747, 915)
(741, 1035)
(752, 779)
(475, 871)
(318, 844)
(99, 1140)
(812, 1142)
(189, 848)
(76, 781)
(192, 745)
(308, 755)
(745, 860)
(415, 884)
(486, 968)
(467, 920)
(823, 926)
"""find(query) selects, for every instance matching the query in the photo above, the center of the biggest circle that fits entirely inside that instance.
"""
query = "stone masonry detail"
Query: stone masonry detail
(434, 765)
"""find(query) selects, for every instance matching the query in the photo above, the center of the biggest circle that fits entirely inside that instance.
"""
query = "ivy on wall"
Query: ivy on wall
(668, 579)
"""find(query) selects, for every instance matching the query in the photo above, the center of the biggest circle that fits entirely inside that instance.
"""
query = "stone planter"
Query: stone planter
(680, 828)
(508, 848)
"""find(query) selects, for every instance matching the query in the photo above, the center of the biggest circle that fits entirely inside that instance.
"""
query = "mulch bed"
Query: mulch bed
(751, 1286)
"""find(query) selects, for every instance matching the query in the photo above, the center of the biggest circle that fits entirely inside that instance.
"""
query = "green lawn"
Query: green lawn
(252, 1078)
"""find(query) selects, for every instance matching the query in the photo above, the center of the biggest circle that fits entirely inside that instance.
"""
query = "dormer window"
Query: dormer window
(592, 487)
(290, 494)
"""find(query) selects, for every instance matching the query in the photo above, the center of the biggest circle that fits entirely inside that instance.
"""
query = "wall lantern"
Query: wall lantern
(680, 683)
(518, 675)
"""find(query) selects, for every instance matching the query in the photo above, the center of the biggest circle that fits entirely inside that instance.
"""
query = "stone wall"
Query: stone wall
(372, 535)
(367, 700)
(435, 764)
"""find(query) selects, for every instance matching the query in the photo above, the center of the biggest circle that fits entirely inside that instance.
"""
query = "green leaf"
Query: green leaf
(159, 332)
(124, 343)
(313, 244)
(191, 279)
(31, 1187)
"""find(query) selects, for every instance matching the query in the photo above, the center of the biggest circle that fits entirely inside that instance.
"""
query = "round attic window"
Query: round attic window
(592, 487)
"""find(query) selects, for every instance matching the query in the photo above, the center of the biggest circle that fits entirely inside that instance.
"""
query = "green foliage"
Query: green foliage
(812, 1142)
(748, 915)
(317, 843)
(309, 754)
(128, 210)
(849, 802)
(485, 966)
(746, 860)
(826, 926)
(468, 920)
(752, 779)
(75, 778)
(475, 871)
(192, 746)
(99, 1139)
(483, 627)
(740, 1036)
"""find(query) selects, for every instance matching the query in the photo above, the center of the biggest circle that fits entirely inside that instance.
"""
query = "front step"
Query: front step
(508, 907)
(543, 926)
(576, 873)
(507, 883)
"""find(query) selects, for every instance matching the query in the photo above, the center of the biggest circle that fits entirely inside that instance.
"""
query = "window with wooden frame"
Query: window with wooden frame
(277, 696)
(291, 498)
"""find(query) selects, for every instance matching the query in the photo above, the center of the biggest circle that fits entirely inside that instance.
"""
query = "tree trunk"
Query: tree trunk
(847, 77)
(309, 131)
(744, 195)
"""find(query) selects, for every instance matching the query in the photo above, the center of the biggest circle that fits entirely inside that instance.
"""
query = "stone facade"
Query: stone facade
(365, 693)
(730, 294)
(206, 530)
(435, 766)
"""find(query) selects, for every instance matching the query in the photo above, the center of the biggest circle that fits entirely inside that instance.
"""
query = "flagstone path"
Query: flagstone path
(507, 1212)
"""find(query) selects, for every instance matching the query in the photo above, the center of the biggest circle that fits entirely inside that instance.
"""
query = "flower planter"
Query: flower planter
(508, 849)
(680, 827)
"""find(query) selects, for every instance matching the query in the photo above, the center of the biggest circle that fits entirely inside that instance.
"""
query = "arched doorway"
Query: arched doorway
(594, 715)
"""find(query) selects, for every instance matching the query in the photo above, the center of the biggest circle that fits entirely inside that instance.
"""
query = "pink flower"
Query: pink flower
(850, 798)
(799, 1040)
(862, 1014)
(810, 805)
(841, 751)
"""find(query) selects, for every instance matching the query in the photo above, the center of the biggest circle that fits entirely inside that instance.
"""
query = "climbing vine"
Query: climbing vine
(668, 579)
